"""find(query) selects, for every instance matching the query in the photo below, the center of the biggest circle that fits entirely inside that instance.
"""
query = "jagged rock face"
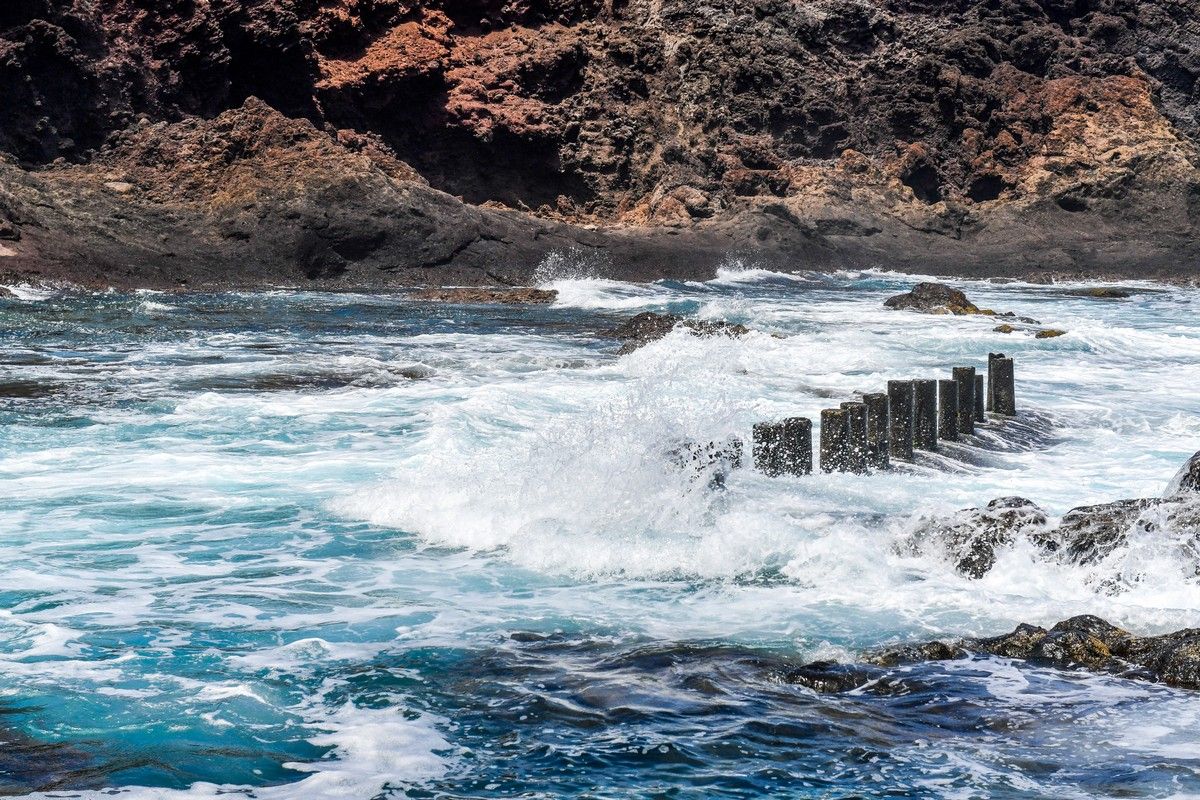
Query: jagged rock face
(993, 136)
(971, 538)
(1084, 642)
(1087, 536)
(1187, 480)
(933, 298)
(653, 109)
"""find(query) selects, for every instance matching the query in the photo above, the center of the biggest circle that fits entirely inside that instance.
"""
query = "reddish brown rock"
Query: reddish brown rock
(987, 138)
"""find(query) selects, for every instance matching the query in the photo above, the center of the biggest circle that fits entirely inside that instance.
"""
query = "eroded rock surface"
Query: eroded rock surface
(933, 298)
(1083, 642)
(973, 538)
(648, 326)
(1054, 138)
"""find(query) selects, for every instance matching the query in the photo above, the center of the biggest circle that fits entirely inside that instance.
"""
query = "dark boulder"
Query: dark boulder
(972, 537)
(1103, 293)
(933, 298)
(648, 326)
(1090, 534)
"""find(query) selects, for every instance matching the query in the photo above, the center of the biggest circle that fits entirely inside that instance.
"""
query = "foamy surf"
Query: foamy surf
(292, 545)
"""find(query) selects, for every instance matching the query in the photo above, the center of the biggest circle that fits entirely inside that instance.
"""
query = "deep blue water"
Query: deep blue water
(308, 545)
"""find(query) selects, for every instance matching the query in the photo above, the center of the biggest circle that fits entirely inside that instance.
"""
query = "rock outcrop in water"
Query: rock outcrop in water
(971, 539)
(1083, 642)
(1080, 643)
(1003, 137)
(934, 298)
(648, 326)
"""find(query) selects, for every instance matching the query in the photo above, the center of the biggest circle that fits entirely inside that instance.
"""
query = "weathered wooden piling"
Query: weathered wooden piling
(948, 410)
(1004, 386)
(980, 412)
(783, 448)
(856, 420)
(878, 411)
(835, 440)
(965, 378)
(900, 426)
(925, 422)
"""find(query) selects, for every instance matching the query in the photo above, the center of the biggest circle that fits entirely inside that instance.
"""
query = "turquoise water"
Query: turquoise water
(309, 545)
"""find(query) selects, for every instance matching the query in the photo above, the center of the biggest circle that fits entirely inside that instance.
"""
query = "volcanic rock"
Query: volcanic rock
(971, 538)
(648, 326)
(1187, 480)
(505, 296)
(1104, 293)
(655, 136)
(933, 298)
(1083, 642)
(1085, 536)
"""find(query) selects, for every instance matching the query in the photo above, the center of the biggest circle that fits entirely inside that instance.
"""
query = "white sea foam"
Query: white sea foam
(528, 482)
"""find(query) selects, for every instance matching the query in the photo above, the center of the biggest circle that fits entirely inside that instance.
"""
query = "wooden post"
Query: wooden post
(856, 420)
(925, 415)
(900, 426)
(980, 413)
(965, 378)
(835, 440)
(1005, 387)
(948, 410)
(878, 409)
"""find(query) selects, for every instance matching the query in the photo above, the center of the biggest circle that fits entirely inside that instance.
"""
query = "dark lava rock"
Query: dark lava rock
(1084, 642)
(1187, 480)
(933, 298)
(648, 326)
(831, 677)
(914, 653)
(656, 135)
(971, 537)
(506, 296)
(1103, 293)
(1088, 534)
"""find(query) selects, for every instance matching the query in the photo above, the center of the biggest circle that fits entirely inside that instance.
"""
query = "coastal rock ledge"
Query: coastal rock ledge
(1079, 643)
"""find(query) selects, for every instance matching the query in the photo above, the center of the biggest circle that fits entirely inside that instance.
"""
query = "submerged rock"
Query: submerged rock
(971, 537)
(933, 298)
(1103, 293)
(648, 326)
(505, 296)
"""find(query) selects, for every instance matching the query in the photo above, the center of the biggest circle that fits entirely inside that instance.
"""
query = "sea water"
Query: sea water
(301, 545)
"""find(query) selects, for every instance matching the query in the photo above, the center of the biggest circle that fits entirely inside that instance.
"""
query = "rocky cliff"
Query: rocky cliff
(379, 141)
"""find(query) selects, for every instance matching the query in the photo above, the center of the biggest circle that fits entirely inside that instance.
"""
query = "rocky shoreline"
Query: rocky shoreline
(366, 145)
(971, 540)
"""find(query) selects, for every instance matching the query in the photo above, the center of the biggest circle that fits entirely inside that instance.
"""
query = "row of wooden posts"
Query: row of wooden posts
(867, 434)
